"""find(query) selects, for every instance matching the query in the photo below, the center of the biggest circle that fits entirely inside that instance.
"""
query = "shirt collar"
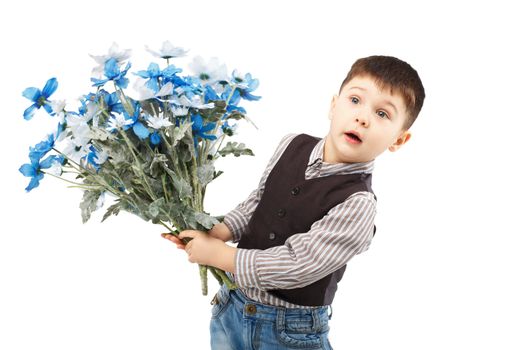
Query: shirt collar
(316, 160)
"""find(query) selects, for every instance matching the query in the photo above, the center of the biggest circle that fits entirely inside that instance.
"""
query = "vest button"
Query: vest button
(281, 212)
(271, 236)
(295, 191)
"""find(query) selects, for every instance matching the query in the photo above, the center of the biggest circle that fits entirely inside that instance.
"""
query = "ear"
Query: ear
(332, 106)
(400, 141)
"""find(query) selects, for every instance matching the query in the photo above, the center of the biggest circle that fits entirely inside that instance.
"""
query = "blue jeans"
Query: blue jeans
(239, 323)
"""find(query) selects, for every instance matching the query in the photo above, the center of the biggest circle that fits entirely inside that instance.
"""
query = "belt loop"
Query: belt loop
(317, 322)
(281, 317)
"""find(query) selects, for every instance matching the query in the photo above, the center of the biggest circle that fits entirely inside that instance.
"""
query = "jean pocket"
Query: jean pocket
(220, 301)
(299, 332)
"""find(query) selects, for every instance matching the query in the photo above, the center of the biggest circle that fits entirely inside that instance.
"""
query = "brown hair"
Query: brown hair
(395, 74)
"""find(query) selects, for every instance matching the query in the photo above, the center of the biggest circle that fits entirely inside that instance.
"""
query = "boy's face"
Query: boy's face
(375, 117)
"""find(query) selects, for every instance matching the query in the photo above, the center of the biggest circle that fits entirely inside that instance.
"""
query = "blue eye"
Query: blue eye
(384, 114)
(354, 99)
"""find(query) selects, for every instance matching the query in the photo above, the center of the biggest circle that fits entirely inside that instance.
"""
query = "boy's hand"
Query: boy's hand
(180, 244)
(221, 231)
(204, 249)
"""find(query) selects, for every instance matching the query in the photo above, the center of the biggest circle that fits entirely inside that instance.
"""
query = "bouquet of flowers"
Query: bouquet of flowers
(153, 153)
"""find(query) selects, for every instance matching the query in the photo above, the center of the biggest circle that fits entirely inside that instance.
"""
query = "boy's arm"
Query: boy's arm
(346, 230)
(236, 221)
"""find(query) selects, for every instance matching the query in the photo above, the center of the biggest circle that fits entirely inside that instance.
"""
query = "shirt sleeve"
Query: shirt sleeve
(346, 230)
(237, 219)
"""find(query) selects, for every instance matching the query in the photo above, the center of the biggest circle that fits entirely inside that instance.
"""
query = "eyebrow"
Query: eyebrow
(386, 102)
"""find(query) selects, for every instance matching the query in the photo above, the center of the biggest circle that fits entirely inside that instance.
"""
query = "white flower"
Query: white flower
(118, 121)
(166, 89)
(144, 93)
(79, 128)
(168, 51)
(58, 107)
(209, 72)
(55, 168)
(75, 122)
(74, 151)
(239, 79)
(114, 52)
(158, 122)
(179, 111)
(196, 101)
(92, 112)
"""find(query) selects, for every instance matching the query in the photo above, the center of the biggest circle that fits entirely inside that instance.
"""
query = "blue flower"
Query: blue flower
(189, 86)
(40, 98)
(235, 99)
(95, 157)
(112, 72)
(246, 85)
(113, 103)
(41, 149)
(154, 74)
(155, 138)
(138, 128)
(210, 94)
(34, 169)
(199, 129)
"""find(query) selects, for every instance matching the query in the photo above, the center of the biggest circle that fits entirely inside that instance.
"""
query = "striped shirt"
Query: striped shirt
(346, 230)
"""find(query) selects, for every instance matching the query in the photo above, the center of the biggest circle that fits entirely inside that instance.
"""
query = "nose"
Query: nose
(361, 121)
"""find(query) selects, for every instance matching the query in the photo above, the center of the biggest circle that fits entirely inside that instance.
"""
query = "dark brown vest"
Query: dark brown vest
(290, 205)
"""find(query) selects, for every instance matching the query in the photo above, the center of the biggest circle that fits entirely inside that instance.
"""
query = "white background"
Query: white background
(445, 270)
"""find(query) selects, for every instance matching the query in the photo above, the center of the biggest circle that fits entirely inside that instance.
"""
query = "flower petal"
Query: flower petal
(35, 181)
(155, 138)
(27, 170)
(30, 111)
(32, 93)
(140, 130)
(51, 86)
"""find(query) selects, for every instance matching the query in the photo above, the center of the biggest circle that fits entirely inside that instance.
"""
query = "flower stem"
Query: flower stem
(77, 184)
(207, 147)
(95, 177)
(137, 163)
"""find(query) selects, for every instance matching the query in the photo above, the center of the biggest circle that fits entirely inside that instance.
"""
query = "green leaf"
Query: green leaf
(112, 210)
(180, 132)
(182, 186)
(236, 115)
(206, 220)
(187, 216)
(217, 173)
(154, 207)
(88, 204)
(235, 149)
(205, 173)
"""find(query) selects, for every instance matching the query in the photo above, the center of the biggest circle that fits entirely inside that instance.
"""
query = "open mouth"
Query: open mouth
(353, 138)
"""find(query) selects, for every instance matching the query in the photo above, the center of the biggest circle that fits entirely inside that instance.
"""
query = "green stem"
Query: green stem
(173, 231)
(137, 163)
(203, 271)
(207, 146)
(77, 184)
(95, 177)
(224, 278)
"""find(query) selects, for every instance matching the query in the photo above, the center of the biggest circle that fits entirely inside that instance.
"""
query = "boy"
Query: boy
(313, 211)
